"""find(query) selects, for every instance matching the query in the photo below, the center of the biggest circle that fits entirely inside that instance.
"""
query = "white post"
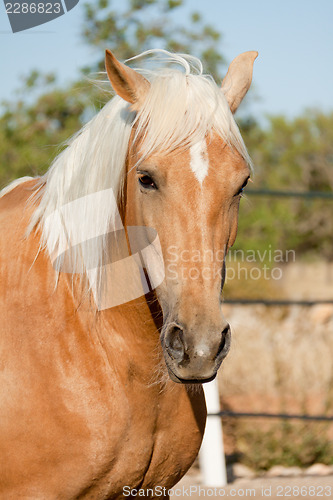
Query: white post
(211, 456)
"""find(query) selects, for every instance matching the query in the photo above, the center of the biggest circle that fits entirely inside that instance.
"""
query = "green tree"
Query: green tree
(31, 134)
(33, 130)
(294, 155)
(148, 24)
(288, 154)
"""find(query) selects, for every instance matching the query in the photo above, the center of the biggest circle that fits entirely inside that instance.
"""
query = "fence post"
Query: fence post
(211, 456)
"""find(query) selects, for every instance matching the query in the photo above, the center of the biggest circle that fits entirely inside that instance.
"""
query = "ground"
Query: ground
(305, 488)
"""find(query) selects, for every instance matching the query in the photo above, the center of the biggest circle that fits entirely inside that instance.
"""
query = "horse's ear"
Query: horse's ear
(126, 82)
(238, 79)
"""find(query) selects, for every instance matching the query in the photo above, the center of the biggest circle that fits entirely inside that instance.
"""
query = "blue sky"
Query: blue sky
(294, 38)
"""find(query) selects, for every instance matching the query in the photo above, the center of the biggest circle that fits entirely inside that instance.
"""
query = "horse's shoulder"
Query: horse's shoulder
(19, 193)
(16, 206)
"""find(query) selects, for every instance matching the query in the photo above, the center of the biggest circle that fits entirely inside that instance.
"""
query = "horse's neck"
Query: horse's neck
(133, 326)
(139, 321)
(132, 331)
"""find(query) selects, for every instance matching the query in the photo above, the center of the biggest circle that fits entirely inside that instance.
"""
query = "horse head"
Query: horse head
(187, 189)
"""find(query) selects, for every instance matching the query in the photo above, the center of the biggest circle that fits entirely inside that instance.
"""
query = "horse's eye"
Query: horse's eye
(147, 182)
(243, 186)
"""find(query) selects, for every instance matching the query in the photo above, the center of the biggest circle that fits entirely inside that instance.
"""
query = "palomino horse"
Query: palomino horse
(97, 393)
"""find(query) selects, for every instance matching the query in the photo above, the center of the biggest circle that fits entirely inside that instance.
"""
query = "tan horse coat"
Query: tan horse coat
(78, 415)
(84, 411)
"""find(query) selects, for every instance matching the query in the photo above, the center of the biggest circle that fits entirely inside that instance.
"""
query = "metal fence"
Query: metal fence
(213, 461)
(280, 302)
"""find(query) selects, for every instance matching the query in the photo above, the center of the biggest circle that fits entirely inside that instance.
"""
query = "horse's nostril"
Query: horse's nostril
(224, 340)
(175, 343)
(225, 331)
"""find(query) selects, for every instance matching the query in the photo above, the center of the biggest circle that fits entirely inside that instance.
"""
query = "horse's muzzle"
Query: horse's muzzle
(193, 358)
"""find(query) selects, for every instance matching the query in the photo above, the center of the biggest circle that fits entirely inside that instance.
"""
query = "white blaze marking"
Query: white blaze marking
(199, 160)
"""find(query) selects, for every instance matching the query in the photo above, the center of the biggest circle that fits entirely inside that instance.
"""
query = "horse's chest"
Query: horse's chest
(154, 442)
(174, 436)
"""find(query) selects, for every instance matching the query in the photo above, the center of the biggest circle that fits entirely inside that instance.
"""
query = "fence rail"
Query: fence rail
(273, 302)
(284, 194)
(290, 194)
(282, 416)
(212, 448)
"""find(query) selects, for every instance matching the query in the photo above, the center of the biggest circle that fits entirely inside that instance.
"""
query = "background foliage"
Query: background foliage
(288, 154)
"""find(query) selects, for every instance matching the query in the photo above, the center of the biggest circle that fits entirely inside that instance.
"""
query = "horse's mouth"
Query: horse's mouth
(189, 381)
